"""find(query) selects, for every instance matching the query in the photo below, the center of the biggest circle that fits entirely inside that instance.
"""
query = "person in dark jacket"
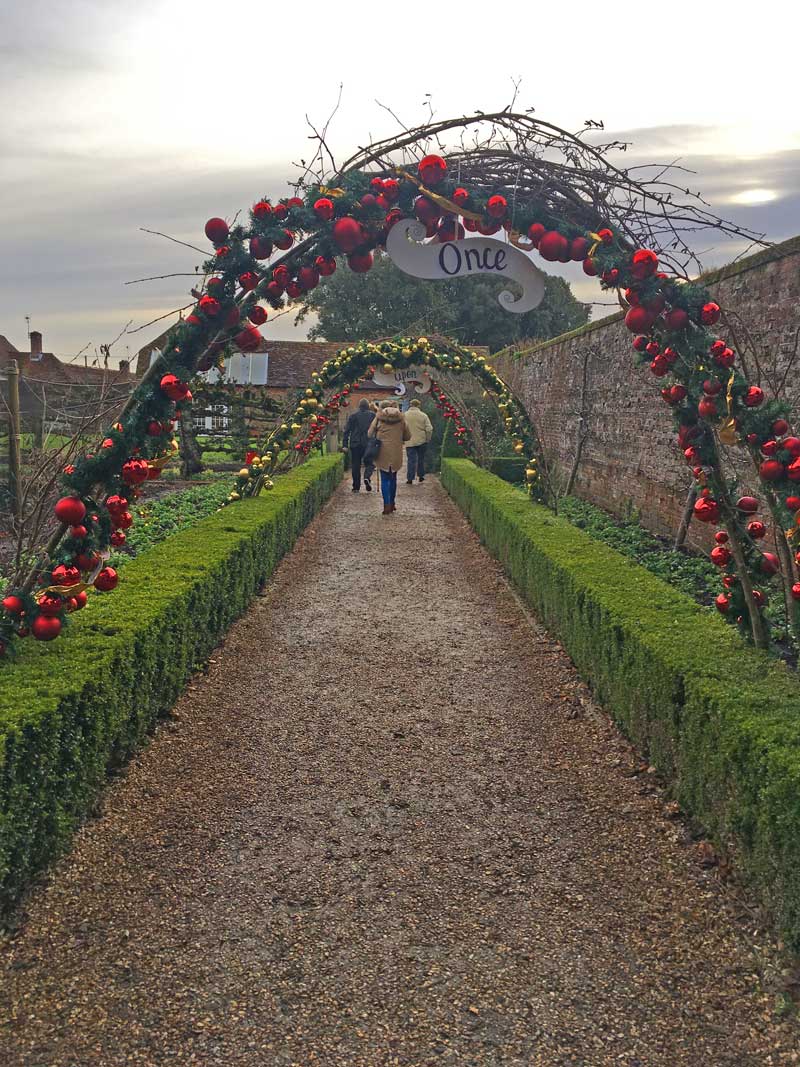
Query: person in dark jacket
(355, 437)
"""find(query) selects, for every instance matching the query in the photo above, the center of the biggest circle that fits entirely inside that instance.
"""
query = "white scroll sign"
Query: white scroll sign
(399, 380)
(458, 259)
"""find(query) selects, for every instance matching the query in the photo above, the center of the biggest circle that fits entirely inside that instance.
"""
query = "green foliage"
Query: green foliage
(720, 720)
(509, 468)
(67, 717)
(385, 301)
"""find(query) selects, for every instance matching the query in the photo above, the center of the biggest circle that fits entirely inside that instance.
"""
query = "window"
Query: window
(219, 418)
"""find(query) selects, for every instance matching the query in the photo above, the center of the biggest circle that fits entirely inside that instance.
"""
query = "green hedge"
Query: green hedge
(509, 468)
(722, 721)
(72, 710)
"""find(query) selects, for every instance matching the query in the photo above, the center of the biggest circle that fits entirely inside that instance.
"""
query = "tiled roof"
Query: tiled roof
(50, 370)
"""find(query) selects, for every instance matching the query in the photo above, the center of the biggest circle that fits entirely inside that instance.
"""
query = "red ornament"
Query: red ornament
(670, 355)
(711, 386)
(707, 409)
(274, 292)
(644, 264)
(536, 232)
(796, 591)
(460, 196)
(285, 240)
(217, 231)
(260, 248)
(792, 445)
(497, 206)
(325, 266)
(725, 358)
(653, 348)
(721, 537)
(65, 575)
(78, 532)
(308, 277)
(116, 504)
(488, 228)
(706, 510)
(553, 246)
(659, 367)
(756, 529)
(347, 234)
(606, 236)
(106, 580)
(70, 510)
(174, 388)
(771, 470)
(793, 470)
(432, 169)
(770, 448)
(248, 280)
(759, 598)
(722, 603)
(770, 564)
(257, 315)
(209, 306)
(793, 503)
(294, 201)
(676, 319)
(449, 230)
(281, 211)
(640, 343)
(578, 249)
(426, 211)
(248, 340)
(118, 538)
(294, 289)
(729, 581)
(709, 313)
(720, 556)
(46, 627)
(262, 209)
(589, 268)
(391, 189)
(639, 320)
(123, 521)
(134, 472)
(193, 320)
(14, 605)
(324, 209)
(779, 427)
(753, 397)
(50, 604)
(747, 504)
(360, 262)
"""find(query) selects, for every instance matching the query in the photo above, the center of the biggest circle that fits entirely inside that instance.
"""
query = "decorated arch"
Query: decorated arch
(543, 191)
(416, 359)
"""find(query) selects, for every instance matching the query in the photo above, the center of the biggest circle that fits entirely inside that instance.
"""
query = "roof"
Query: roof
(48, 369)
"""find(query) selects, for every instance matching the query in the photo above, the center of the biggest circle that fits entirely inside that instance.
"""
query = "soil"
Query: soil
(388, 826)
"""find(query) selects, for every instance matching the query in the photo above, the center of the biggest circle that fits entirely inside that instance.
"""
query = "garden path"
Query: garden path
(387, 827)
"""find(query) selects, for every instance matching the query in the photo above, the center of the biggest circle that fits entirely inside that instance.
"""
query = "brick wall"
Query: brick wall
(631, 457)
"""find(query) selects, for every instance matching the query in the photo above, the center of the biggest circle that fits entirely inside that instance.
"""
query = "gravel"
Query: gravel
(389, 827)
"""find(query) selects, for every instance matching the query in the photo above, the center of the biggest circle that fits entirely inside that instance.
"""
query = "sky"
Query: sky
(159, 114)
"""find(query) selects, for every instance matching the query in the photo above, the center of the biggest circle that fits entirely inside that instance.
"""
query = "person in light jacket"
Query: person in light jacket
(389, 426)
(355, 437)
(421, 429)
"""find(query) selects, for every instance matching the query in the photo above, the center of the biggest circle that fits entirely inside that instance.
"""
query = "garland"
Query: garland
(711, 400)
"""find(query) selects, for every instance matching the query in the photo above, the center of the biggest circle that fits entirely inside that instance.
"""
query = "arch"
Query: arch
(337, 377)
(550, 191)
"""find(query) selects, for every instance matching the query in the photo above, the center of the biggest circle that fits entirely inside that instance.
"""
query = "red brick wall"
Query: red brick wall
(631, 457)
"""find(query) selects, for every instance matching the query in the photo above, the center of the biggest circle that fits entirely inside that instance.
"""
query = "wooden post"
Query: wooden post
(14, 464)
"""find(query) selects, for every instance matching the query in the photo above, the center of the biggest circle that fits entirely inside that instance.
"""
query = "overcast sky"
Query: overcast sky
(161, 113)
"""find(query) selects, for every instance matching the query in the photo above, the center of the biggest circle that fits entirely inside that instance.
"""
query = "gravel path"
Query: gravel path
(387, 827)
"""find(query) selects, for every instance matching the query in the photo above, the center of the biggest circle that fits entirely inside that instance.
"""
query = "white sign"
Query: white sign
(457, 259)
(399, 380)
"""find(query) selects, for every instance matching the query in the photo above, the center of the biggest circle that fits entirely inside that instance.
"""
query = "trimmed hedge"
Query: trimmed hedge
(71, 711)
(509, 468)
(721, 720)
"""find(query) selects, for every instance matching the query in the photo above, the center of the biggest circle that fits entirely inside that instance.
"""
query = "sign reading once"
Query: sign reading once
(456, 259)
(400, 379)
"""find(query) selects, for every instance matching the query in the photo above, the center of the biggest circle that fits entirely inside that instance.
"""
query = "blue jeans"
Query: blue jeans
(388, 486)
(415, 462)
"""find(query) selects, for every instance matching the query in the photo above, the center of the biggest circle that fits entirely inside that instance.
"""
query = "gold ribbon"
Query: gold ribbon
(727, 430)
(325, 191)
(440, 201)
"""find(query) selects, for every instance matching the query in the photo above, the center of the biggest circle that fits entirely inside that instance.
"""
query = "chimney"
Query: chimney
(36, 346)
(124, 369)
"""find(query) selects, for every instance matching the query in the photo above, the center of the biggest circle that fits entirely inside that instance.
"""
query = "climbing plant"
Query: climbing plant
(549, 191)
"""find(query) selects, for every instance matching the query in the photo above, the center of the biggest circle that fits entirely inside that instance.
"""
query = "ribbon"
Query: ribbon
(440, 201)
(325, 191)
(727, 430)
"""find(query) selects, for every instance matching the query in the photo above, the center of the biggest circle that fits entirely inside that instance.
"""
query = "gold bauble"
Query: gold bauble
(295, 427)
(244, 473)
(518, 447)
(406, 352)
(269, 484)
(309, 392)
(234, 496)
(530, 474)
(387, 368)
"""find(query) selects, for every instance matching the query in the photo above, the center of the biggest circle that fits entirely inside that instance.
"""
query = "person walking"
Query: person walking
(421, 429)
(355, 437)
(391, 430)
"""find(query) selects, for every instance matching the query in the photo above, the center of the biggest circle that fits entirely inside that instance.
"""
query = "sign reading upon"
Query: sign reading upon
(457, 259)
(399, 380)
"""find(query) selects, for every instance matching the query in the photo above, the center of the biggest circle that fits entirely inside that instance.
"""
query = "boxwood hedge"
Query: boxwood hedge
(72, 710)
(720, 720)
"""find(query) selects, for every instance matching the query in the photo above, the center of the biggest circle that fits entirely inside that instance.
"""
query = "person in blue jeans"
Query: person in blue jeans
(389, 426)
(421, 430)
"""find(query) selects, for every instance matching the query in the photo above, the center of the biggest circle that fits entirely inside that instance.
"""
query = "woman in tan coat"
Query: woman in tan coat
(390, 428)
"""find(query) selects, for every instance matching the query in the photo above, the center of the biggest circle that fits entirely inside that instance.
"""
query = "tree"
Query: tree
(385, 301)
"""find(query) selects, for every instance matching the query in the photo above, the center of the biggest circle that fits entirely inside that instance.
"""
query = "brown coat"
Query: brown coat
(390, 428)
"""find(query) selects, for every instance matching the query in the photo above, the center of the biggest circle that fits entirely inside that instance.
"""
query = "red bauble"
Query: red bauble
(709, 313)
(753, 397)
(70, 510)
(426, 211)
(653, 348)
(174, 388)
(460, 196)
(792, 445)
(796, 591)
(553, 246)
(106, 580)
(676, 319)
(285, 240)
(257, 315)
(770, 448)
(770, 564)
(432, 169)
(793, 503)
(347, 234)
(449, 229)
(771, 470)
(118, 538)
(281, 275)
(209, 306)
(116, 504)
(14, 605)
(729, 581)
(722, 603)
(262, 209)
(275, 291)
(639, 320)
(46, 627)
(488, 228)
(706, 510)
(294, 201)
(360, 262)
(134, 472)
(711, 386)
(578, 249)
(154, 429)
(497, 207)
(260, 248)
(747, 504)
(721, 537)
(308, 278)
(248, 340)
(326, 266)
(644, 264)
(725, 358)
(659, 367)
(670, 355)
(756, 529)
(720, 556)
(391, 190)
(536, 232)
(65, 575)
(589, 268)
(707, 409)
(793, 470)
(294, 289)
(759, 598)
(281, 211)
(324, 209)
(606, 236)
(193, 320)
(50, 604)
(717, 347)
(779, 427)
(640, 343)
(123, 521)
(217, 231)
(248, 280)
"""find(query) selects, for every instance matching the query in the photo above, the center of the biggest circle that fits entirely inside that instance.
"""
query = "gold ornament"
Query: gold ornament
(244, 473)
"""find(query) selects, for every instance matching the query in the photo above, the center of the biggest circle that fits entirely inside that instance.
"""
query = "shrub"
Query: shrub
(70, 711)
(720, 720)
(509, 468)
